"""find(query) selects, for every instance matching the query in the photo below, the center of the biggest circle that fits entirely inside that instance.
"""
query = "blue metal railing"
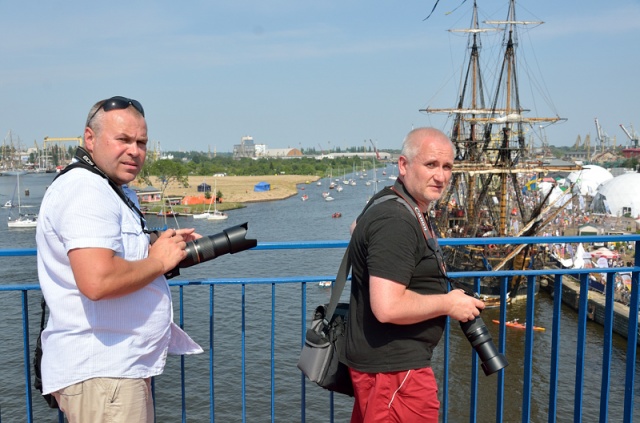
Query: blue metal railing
(336, 404)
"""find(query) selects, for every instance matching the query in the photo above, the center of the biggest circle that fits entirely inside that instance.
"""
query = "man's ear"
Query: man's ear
(89, 138)
(402, 165)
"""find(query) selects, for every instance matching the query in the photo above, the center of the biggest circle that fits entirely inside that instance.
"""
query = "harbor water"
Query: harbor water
(294, 220)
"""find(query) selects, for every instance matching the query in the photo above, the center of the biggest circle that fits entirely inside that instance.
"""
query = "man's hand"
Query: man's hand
(463, 307)
(168, 249)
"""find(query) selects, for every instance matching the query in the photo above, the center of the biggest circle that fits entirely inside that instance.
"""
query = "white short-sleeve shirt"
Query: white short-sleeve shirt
(126, 337)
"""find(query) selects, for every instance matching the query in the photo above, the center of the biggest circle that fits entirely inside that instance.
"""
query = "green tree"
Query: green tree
(167, 171)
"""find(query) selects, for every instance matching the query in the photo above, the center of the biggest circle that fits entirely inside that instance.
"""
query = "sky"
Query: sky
(303, 74)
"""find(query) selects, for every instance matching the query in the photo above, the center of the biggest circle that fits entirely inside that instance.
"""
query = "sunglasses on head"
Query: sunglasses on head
(117, 103)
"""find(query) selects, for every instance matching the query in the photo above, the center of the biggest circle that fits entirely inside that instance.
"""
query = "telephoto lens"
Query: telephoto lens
(478, 335)
(231, 240)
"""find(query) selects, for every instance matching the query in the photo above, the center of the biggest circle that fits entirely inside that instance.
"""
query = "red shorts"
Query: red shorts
(402, 397)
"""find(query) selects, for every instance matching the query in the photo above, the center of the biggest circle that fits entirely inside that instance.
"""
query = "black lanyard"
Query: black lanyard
(427, 230)
(84, 161)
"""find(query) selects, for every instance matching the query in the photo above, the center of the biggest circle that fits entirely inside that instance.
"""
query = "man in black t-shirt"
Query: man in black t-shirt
(399, 294)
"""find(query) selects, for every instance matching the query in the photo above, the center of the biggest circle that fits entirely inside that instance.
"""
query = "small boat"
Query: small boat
(336, 215)
(217, 215)
(517, 325)
(205, 215)
(8, 204)
(24, 220)
(325, 284)
(328, 198)
(339, 188)
(304, 197)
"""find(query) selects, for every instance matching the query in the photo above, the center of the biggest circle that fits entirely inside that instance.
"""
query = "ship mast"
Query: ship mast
(512, 147)
(467, 134)
(489, 142)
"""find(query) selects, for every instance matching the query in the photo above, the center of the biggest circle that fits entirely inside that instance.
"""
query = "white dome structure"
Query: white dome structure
(619, 196)
(588, 179)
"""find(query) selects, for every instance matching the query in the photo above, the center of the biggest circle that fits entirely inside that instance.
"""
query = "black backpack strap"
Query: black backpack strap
(83, 160)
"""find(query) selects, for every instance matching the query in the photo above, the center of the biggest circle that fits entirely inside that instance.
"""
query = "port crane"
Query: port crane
(375, 150)
(51, 140)
(633, 137)
(601, 137)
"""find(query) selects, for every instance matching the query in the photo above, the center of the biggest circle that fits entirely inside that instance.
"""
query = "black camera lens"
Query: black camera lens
(478, 335)
(231, 240)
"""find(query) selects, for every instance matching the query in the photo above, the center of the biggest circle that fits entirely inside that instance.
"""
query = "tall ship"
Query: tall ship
(495, 167)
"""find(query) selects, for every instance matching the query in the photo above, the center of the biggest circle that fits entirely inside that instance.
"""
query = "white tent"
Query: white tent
(587, 180)
(577, 261)
(619, 196)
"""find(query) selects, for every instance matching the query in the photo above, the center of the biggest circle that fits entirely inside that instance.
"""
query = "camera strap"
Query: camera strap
(83, 160)
(428, 232)
(425, 224)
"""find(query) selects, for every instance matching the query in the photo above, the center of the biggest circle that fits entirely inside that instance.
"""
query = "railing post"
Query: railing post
(211, 367)
(502, 347)
(303, 331)
(606, 348)
(632, 341)
(528, 349)
(26, 353)
(273, 352)
(581, 344)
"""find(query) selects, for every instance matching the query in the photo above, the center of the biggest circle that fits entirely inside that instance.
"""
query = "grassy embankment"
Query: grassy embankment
(236, 190)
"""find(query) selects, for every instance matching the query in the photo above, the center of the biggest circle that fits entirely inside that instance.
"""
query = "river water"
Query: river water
(294, 220)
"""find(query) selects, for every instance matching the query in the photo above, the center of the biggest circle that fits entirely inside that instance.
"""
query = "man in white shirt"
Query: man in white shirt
(110, 324)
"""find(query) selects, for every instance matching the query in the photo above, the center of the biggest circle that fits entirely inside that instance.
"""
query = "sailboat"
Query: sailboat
(206, 214)
(216, 214)
(492, 161)
(24, 220)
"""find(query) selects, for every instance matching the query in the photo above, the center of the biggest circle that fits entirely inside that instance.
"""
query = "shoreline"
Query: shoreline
(238, 189)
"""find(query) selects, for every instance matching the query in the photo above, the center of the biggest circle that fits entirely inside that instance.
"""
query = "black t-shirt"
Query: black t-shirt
(388, 242)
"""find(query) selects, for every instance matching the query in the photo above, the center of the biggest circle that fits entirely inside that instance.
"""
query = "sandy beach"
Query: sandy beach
(239, 189)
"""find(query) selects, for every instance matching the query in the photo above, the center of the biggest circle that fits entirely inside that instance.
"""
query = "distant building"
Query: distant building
(579, 155)
(148, 194)
(246, 148)
(361, 154)
(283, 152)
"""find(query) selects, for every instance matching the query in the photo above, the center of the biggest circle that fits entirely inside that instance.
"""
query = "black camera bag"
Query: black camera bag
(37, 361)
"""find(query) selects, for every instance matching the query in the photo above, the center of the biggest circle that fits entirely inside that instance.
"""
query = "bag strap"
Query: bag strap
(43, 304)
(427, 229)
(338, 286)
(345, 265)
(429, 236)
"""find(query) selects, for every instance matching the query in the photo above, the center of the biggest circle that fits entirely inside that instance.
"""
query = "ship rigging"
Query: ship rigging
(487, 196)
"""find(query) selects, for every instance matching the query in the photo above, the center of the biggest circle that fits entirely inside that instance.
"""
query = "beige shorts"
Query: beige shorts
(112, 400)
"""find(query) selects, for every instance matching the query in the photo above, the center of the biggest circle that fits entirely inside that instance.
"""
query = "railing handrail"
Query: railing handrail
(502, 275)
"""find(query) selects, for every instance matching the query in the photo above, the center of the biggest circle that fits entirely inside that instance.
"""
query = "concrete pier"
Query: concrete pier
(595, 303)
